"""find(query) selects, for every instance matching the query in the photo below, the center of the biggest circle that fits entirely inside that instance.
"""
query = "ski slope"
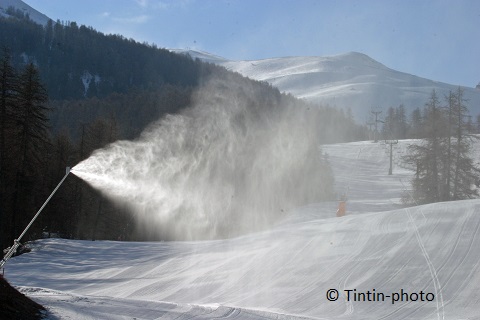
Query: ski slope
(285, 272)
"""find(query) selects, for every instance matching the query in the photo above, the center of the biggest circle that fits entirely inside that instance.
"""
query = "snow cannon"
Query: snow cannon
(16, 242)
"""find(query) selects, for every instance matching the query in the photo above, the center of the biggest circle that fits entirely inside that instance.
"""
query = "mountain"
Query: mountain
(24, 8)
(202, 55)
(351, 80)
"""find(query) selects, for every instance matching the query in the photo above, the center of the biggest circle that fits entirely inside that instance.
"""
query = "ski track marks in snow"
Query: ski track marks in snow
(282, 273)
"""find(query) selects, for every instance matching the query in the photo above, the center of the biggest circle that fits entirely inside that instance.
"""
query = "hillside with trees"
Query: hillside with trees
(77, 61)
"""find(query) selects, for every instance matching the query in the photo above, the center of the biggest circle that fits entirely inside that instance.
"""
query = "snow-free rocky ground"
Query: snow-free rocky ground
(283, 273)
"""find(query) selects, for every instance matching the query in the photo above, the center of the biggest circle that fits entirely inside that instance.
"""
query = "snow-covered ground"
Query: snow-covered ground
(350, 80)
(34, 15)
(283, 273)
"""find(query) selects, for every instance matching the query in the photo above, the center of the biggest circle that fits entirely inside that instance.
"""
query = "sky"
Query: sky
(434, 39)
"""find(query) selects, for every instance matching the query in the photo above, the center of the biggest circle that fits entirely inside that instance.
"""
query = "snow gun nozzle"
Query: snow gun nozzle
(67, 170)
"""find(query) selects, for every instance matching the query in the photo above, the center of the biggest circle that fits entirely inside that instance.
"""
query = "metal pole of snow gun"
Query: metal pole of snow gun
(16, 242)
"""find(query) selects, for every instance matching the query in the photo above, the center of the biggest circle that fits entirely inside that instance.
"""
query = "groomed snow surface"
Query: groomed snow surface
(283, 273)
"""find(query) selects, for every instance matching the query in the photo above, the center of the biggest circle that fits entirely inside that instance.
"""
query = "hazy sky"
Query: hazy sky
(439, 40)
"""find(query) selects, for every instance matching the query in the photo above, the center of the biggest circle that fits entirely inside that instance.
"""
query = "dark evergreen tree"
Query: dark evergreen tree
(447, 171)
(395, 123)
(478, 124)
(390, 124)
(416, 124)
(31, 131)
(402, 124)
(425, 157)
(8, 92)
(60, 216)
(31, 115)
(465, 174)
(444, 167)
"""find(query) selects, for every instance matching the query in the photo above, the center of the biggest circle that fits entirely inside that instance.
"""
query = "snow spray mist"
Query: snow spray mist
(231, 163)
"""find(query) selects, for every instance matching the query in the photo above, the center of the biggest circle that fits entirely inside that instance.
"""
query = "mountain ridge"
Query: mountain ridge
(348, 80)
(33, 14)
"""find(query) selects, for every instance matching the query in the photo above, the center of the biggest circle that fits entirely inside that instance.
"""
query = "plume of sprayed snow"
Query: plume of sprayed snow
(225, 166)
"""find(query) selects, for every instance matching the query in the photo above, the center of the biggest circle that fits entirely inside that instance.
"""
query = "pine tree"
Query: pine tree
(31, 136)
(395, 124)
(416, 124)
(8, 92)
(426, 157)
(8, 88)
(478, 124)
(444, 169)
(402, 126)
(31, 114)
(465, 174)
(389, 124)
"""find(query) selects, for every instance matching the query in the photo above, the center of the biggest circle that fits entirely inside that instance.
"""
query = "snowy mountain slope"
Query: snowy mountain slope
(34, 15)
(202, 55)
(285, 272)
(347, 80)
